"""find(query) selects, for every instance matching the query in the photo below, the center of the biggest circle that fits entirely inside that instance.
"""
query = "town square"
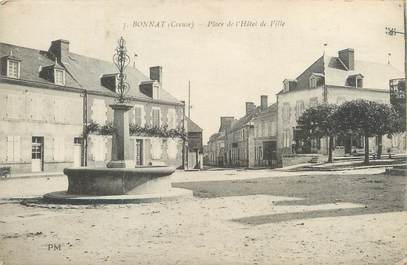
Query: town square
(203, 133)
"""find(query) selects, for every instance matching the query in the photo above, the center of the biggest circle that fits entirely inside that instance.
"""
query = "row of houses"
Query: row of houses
(48, 98)
(266, 135)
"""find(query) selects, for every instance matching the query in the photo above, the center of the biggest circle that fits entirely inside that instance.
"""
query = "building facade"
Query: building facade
(53, 97)
(249, 141)
(334, 80)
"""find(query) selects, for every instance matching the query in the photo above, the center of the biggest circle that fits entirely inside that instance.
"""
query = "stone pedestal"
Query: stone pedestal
(121, 157)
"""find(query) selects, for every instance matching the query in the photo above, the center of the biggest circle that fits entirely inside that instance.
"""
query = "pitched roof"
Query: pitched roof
(270, 109)
(82, 71)
(375, 75)
(192, 126)
(32, 62)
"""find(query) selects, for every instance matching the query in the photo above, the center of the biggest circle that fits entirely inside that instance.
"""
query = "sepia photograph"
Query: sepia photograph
(217, 132)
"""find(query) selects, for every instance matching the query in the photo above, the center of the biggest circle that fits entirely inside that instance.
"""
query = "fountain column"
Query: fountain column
(121, 156)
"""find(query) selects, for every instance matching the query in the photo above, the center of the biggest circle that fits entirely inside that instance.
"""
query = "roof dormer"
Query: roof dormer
(54, 73)
(289, 85)
(151, 89)
(11, 65)
(316, 80)
(355, 80)
(110, 81)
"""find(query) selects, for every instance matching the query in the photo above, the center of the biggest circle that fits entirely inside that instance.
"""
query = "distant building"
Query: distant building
(49, 98)
(246, 142)
(195, 145)
(216, 144)
(265, 135)
(331, 79)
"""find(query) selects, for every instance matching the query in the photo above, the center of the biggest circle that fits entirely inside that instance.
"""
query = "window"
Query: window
(299, 108)
(59, 148)
(312, 82)
(286, 138)
(156, 91)
(171, 119)
(156, 117)
(13, 69)
(12, 106)
(98, 147)
(273, 128)
(313, 102)
(13, 148)
(59, 77)
(359, 82)
(156, 148)
(138, 113)
(99, 111)
(263, 128)
(286, 111)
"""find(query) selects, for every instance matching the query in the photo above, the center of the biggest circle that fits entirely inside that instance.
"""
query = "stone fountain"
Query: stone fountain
(120, 181)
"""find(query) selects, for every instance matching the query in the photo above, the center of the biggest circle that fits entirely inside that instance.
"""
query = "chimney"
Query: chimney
(263, 100)
(250, 107)
(347, 56)
(156, 73)
(226, 122)
(60, 48)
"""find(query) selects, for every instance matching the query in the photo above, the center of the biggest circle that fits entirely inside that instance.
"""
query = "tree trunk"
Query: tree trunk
(380, 146)
(366, 149)
(330, 147)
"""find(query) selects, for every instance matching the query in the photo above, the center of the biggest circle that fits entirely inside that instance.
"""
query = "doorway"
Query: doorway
(37, 154)
(77, 152)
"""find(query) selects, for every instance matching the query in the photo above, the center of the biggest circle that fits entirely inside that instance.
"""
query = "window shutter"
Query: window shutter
(171, 118)
(16, 148)
(12, 108)
(10, 151)
(137, 116)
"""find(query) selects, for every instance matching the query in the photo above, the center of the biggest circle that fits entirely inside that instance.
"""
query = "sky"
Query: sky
(227, 64)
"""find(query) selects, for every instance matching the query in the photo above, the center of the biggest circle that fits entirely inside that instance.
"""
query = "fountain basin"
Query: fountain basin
(119, 181)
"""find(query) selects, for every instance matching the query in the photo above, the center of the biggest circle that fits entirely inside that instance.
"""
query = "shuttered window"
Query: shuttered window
(137, 115)
(99, 111)
(13, 148)
(59, 148)
(12, 106)
(36, 108)
(98, 149)
(156, 150)
(156, 117)
(171, 119)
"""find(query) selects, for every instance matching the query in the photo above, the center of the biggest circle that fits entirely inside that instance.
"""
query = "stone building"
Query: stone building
(249, 141)
(331, 79)
(49, 98)
(265, 135)
(216, 150)
(195, 145)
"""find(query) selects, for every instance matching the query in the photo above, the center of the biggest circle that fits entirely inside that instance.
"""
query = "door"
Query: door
(138, 149)
(37, 154)
(77, 152)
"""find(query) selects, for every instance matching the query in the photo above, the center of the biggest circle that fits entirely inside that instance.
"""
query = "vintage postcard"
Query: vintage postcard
(203, 132)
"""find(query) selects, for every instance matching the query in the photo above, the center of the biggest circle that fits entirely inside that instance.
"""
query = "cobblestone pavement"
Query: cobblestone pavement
(235, 217)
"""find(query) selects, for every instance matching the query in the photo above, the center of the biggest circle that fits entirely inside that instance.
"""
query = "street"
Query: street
(236, 217)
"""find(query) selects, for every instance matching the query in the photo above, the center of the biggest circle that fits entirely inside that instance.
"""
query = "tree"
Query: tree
(367, 118)
(318, 122)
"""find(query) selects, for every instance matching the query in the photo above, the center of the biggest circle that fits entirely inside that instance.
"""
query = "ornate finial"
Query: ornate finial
(121, 60)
